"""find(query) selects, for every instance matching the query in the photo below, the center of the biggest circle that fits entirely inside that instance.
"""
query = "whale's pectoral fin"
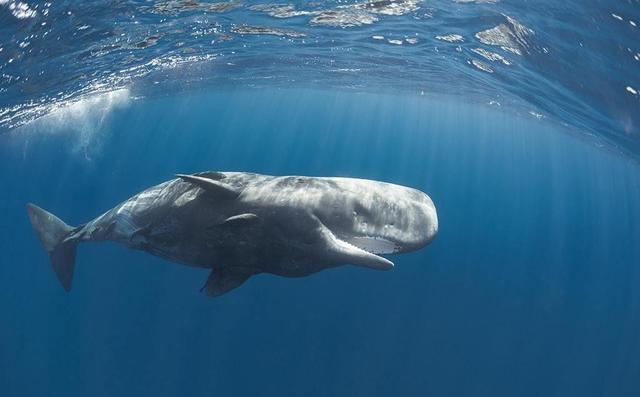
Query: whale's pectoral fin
(211, 186)
(236, 222)
(223, 280)
(343, 252)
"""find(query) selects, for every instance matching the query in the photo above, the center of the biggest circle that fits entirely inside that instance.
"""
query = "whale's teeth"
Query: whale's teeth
(374, 244)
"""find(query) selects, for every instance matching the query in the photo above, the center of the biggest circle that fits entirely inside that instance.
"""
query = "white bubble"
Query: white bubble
(84, 119)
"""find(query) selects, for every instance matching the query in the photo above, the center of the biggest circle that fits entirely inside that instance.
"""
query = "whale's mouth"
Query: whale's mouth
(360, 256)
(373, 244)
(343, 251)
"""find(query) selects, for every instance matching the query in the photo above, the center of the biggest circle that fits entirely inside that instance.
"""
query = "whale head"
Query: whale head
(379, 218)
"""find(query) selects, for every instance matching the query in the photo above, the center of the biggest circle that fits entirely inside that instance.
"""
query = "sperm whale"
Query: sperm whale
(242, 224)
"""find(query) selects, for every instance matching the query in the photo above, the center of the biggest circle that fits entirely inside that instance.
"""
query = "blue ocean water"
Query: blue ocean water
(529, 289)
(519, 119)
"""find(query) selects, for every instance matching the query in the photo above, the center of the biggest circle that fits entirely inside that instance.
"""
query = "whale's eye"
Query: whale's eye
(360, 209)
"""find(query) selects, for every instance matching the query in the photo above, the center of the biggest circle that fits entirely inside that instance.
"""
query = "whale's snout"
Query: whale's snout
(431, 229)
(425, 222)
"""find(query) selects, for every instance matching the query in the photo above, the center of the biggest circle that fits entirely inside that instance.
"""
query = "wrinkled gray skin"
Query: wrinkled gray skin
(241, 224)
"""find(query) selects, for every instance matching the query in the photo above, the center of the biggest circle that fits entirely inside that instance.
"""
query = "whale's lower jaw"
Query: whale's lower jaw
(342, 252)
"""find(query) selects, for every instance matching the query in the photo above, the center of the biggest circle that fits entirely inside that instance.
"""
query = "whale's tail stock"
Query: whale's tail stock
(56, 237)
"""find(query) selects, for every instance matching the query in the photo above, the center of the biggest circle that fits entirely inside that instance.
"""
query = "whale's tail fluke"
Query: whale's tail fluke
(54, 235)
